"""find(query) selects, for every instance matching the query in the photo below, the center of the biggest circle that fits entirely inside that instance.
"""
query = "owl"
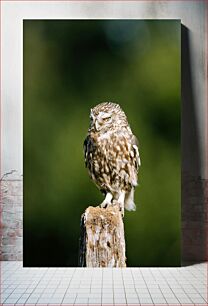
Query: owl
(112, 155)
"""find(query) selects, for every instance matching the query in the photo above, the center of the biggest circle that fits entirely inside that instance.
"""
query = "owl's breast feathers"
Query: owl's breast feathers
(112, 160)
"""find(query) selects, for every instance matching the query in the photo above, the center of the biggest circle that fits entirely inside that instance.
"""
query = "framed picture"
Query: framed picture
(70, 66)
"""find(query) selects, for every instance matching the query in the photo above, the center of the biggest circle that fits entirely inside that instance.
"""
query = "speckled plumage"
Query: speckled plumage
(112, 155)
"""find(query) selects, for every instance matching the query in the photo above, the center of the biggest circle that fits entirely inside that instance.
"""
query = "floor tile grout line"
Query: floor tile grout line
(159, 286)
(197, 288)
(36, 285)
(101, 288)
(69, 286)
(186, 293)
(147, 287)
(135, 287)
(127, 276)
(91, 278)
(170, 288)
(4, 300)
(123, 284)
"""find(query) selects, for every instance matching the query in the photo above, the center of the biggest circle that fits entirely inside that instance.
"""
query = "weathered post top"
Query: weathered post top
(102, 241)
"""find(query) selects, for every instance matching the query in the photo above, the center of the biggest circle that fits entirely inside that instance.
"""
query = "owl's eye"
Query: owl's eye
(106, 118)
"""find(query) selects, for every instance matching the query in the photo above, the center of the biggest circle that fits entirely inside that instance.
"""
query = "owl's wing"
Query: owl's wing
(135, 145)
(89, 147)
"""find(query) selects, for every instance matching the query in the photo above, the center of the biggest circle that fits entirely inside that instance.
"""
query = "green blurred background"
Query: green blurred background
(69, 67)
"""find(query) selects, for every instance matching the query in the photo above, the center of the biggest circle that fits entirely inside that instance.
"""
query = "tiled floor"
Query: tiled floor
(129, 286)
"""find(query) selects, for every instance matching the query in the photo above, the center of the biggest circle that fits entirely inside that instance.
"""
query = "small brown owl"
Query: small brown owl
(112, 155)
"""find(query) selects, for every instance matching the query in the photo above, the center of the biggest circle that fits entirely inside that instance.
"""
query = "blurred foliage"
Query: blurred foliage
(69, 67)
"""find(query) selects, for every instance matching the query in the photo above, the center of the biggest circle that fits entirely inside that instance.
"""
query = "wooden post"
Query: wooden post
(102, 241)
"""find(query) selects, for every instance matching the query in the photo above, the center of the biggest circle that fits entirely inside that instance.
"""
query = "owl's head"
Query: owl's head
(107, 116)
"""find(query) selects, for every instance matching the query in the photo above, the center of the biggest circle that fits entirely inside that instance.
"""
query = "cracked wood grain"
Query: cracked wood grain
(102, 241)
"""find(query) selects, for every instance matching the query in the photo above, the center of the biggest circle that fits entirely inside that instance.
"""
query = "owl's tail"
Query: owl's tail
(129, 200)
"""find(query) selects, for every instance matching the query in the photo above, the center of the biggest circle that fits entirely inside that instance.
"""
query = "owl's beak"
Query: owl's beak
(97, 125)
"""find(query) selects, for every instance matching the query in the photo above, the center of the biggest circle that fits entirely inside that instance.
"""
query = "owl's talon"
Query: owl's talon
(121, 210)
(104, 205)
(107, 200)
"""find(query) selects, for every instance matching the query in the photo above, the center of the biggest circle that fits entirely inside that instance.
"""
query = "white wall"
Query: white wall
(192, 15)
